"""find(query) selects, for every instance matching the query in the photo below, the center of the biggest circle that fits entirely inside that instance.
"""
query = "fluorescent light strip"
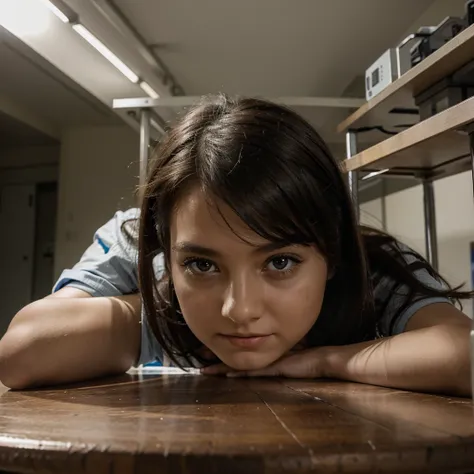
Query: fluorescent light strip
(374, 173)
(149, 90)
(99, 46)
(62, 16)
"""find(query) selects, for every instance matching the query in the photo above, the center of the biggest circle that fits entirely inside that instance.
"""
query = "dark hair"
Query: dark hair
(277, 174)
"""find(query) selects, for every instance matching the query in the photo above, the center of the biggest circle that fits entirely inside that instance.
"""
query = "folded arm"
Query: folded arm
(63, 339)
(432, 355)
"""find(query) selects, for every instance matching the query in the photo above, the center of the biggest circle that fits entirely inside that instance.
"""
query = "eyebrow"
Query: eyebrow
(189, 247)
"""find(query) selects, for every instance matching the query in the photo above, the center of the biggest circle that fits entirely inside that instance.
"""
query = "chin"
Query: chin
(247, 360)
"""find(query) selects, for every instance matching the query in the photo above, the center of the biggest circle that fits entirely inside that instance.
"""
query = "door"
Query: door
(45, 233)
(17, 236)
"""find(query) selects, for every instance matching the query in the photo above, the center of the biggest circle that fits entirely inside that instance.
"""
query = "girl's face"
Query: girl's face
(248, 303)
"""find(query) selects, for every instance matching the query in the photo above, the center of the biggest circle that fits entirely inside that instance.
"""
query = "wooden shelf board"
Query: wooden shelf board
(424, 146)
(442, 63)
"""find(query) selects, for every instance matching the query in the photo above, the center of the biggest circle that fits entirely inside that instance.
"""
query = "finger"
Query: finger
(215, 369)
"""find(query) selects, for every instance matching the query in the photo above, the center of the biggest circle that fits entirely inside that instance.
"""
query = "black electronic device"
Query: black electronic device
(448, 92)
(470, 12)
(445, 31)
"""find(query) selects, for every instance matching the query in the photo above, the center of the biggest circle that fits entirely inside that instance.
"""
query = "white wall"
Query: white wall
(98, 174)
(454, 222)
(371, 214)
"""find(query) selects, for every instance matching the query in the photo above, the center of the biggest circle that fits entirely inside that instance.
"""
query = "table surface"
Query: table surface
(166, 423)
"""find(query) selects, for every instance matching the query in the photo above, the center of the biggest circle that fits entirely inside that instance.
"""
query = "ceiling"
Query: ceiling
(272, 47)
(250, 47)
(39, 90)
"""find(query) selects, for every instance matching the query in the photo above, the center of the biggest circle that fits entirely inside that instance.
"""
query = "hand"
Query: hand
(304, 364)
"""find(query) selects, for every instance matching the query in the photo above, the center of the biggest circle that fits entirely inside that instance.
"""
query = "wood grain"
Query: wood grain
(196, 424)
(440, 64)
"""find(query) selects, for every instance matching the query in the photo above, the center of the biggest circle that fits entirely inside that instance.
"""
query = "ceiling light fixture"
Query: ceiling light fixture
(149, 90)
(57, 11)
(25, 26)
(67, 15)
(102, 49)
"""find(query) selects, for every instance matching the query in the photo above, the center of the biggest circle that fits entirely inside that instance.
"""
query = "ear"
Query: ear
(331, 273)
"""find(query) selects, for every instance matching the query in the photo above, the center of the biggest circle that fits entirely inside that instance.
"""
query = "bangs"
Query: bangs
(278, 205)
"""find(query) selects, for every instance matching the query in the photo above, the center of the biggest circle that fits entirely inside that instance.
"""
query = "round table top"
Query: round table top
(139, 423)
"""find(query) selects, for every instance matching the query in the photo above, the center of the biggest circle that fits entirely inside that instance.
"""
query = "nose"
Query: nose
(243, 300)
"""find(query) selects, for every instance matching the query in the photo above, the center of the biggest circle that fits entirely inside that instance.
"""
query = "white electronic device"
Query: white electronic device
(392, 64)
(382, 73)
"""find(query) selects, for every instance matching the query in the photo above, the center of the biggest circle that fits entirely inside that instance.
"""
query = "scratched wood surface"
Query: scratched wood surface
(196, 424)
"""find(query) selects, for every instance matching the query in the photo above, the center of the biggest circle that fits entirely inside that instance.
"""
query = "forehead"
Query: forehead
(197, 218)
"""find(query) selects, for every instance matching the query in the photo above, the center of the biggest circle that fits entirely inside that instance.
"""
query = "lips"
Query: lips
(246, 342)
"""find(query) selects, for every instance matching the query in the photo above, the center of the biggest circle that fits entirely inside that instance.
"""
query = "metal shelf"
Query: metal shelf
(436, 147)
(442, 63)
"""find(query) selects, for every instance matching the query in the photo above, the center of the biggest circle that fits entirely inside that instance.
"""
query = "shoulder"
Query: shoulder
(108, 267)
(410, 263)
(404, 287)
(116, 230)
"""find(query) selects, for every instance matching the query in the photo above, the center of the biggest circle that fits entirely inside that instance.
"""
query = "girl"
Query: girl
(250, 263)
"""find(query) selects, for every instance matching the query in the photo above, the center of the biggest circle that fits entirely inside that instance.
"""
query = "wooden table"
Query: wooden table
(197, 424)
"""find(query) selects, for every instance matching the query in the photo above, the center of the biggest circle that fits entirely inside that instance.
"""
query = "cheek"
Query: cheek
(289, 309)
(298, 308)
(196, 305)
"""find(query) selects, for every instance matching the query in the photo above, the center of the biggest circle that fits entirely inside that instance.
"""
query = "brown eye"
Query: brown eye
(199, 266)
(283, 263)
(203, 265)
(280, 263)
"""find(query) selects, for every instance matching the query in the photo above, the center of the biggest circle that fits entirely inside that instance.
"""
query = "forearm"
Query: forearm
(60, 340)
(435, 359)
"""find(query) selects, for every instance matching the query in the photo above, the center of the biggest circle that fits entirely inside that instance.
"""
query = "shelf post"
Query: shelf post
(471, 148)
(144, 144)
(431, 240)
(353, 176)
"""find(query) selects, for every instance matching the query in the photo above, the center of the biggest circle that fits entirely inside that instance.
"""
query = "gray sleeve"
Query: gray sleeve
(109, 265)
(109, 268)
(393, 321)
